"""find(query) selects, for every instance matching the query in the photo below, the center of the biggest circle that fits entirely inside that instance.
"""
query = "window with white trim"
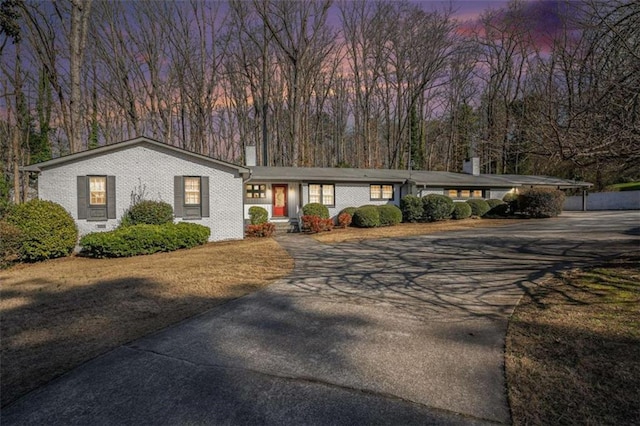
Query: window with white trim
(256, 190)
(465, 193)
(191, 191)
(322, 193)
(381, 192)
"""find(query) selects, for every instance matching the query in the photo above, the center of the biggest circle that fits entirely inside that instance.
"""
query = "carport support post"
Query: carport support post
(584, 200)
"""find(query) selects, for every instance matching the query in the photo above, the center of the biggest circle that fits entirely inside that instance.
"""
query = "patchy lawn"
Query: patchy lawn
(629, 186)
(573, 349)
(60, 313)
(338, 235)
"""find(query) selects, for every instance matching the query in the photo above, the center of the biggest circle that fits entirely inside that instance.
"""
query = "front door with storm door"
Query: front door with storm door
(279, 200)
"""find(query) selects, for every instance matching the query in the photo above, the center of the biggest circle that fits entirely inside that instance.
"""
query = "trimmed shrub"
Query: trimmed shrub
(478, 207)
(366, 217)
(258, 215)
(316, 209)
(412, 208)
(135, 240)
(10, 242)
(389, 215)
(265, 229)
(512, 200)
(541, 202)
(48, 230)
(348, 210)
(501, 210)
(311, 223)
(437, 207)
(344, 219)
(461, 211)
(493, 202)
(148, 212)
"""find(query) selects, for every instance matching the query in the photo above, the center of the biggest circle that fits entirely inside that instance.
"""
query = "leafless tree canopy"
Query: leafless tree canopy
(319, 83)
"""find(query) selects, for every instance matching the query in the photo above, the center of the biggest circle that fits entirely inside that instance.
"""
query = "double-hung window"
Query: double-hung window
(96, 197)
(381, 192)
(322, 193)
(191, 197)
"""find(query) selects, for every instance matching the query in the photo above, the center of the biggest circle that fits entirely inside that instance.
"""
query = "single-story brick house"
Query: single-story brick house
(97, 186)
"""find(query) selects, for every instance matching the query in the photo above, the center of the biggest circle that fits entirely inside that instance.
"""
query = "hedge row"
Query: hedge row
(144, 239)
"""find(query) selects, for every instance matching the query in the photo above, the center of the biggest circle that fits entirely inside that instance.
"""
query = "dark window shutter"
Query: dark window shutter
(178, 196)
(83, 196)
(204, 195)
(111, 197)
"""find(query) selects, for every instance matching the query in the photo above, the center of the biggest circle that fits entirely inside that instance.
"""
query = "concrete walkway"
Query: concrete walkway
(394, 331)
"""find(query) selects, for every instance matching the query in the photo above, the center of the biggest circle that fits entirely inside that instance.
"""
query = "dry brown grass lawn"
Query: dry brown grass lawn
(573, 349)
(339, 235)
(60, 313)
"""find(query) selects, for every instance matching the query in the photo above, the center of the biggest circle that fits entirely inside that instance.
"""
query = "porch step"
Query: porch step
(283, 227)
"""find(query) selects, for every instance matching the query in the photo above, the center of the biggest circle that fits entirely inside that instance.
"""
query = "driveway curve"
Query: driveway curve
(390, 331)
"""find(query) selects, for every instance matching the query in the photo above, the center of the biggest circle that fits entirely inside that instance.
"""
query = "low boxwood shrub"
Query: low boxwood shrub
(499, 211)
(366, 217)
(512, 200)
(316, 209)
(389, 215)
(148, 212)
(312, 223)
(478, 207)
(541, 202)
(437, 207)
(461, 211)
(135, 240)
(47, 230)
(265, 229)
(493, 202)
(258, 215)
(349, 210)
(412, 208)
(345, 219)
(10, 242)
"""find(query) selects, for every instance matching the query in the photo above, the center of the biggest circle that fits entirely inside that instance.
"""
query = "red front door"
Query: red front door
(279, 200)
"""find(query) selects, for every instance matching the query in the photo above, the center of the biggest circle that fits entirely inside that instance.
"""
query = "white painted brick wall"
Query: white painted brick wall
(144, 166)
(352, 195)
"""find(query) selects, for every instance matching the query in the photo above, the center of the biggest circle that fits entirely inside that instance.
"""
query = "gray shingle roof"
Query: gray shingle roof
(128, 143)
(420, 177)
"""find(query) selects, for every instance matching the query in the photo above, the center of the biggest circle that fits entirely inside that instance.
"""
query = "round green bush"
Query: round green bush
(478, 207)
(316, 209)
(541, 202)
(350, 210)
(493, 202)
(258, 215)
(148, 212)
(501, 210)
(389, 215)
(461, 211)
(144, 239)
(10, 242)
(366, 217)
(412, 208)
(437, 207)
(48, 230)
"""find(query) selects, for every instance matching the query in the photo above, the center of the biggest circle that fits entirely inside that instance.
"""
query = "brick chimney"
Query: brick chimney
(250, 155)
(471, 166)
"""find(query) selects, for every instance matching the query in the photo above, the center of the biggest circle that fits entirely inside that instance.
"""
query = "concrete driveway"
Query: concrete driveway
(393, 331)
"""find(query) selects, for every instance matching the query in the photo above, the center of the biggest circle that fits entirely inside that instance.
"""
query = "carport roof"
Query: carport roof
(530, 180)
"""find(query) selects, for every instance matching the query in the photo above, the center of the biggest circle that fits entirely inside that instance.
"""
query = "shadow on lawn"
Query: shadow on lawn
(46, 332)
(301, 350)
